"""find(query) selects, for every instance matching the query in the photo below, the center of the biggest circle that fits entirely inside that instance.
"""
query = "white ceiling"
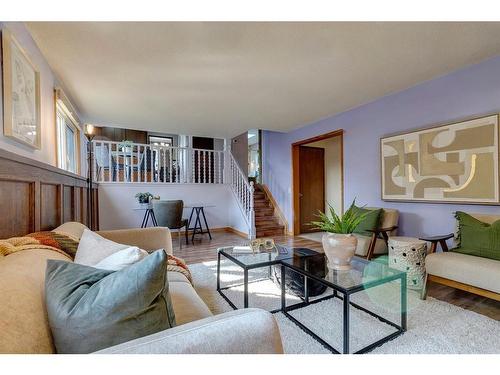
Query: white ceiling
(220, 79)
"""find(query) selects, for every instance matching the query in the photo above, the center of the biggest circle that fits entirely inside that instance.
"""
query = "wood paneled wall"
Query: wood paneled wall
(35, 196)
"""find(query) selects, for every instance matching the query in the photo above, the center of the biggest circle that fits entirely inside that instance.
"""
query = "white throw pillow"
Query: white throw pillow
(122, 259)
(94, 248)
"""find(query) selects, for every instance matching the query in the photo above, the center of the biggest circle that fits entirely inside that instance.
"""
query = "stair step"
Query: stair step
(266, 220)
(269, 233)
(264, 211)
(268, 226)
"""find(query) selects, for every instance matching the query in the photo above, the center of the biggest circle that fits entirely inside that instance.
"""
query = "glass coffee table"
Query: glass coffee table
(251, 261)
(363, 276)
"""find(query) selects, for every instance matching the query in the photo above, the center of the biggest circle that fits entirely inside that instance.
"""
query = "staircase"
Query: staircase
(266, 224)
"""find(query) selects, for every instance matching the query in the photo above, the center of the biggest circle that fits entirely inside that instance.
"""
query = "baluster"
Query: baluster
(170, 164)
(152, 166)
(210, 157)
(199, 168)
(163, 161)
(192, 166)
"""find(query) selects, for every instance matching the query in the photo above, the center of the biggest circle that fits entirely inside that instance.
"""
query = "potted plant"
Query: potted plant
(339, 244)
(144, 197)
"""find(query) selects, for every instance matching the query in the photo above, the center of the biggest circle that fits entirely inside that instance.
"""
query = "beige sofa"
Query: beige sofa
(466, 272)
(376, 244)
(23, 318)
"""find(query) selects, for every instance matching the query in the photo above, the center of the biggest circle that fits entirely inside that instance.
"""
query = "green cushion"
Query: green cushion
(370, 222)
(91, 309)
(478, 238)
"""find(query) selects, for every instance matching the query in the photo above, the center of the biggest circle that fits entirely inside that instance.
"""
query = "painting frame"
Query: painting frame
(495, 180)
(12, 127)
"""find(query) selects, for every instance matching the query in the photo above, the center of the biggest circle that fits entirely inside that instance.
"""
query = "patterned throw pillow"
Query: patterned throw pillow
(91, 309)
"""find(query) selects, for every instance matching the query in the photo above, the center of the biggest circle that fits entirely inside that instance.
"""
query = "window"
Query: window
(67, 139)
(160, 141)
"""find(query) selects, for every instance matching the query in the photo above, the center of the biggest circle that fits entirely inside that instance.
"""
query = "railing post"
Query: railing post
(252, 213)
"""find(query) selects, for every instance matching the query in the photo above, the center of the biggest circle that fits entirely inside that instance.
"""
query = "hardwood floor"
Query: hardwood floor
(204, 250)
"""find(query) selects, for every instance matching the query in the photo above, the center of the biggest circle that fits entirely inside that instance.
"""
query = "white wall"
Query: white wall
(117, 203)
(48, 82)
(333, 171)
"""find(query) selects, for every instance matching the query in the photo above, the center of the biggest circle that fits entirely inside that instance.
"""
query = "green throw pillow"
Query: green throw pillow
(370, 222)
(478, 238)
(91, 309)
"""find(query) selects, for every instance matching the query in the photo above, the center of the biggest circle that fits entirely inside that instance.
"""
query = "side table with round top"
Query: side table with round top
(408, 254)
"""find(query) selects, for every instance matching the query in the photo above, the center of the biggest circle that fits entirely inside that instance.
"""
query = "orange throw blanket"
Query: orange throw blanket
(67, 245)
(55, 241)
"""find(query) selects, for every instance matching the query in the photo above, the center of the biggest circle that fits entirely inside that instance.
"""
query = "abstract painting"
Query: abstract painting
(454, 163)
(21, 89)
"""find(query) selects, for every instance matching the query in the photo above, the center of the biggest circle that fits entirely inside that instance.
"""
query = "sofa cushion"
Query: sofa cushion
(467, 269)
(478, 238)
(23, 319)
(370, 221)
(187, 304)
(91, 309)
(93, 248)
(121, 259)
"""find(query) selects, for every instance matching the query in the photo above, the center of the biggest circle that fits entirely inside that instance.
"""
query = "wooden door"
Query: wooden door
(311, 185)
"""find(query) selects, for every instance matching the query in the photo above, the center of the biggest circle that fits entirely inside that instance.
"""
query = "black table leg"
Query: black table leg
(148, 213)
(206, 224)
(346, 324)
(143, 225)
(153, 218)
(283, 291)
(218, 271)
(245, 289)
(197, 223)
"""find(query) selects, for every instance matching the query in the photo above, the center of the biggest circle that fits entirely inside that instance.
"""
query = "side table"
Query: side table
(408, 254)
(434, 240)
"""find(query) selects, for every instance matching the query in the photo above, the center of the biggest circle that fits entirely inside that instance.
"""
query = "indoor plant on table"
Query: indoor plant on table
(144, 197)
(339, 243)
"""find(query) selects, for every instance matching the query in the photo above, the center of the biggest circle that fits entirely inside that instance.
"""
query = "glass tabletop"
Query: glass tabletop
(363, 273)
(263, 257)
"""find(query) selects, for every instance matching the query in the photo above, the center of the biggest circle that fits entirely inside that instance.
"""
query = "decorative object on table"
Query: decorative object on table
(408, 254)
(267, 243)
(339, 244)
(21, 94)
(243, 250)
(169, 214)
(126, 146)
(456, 162)
(144, 197)
(90, 134)
(295, 283)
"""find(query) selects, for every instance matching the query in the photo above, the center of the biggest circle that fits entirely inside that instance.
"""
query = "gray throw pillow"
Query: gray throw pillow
(91, 309)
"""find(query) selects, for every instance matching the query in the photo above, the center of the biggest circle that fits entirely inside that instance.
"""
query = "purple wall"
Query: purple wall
(471, 91)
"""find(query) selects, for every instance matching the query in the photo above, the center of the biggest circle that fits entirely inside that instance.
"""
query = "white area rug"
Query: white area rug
(433, 326)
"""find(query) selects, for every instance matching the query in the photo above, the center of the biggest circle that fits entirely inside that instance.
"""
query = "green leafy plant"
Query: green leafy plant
(344, 224)
(144, 197)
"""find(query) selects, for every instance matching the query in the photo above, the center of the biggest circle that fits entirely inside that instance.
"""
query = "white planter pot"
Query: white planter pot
(339, 250)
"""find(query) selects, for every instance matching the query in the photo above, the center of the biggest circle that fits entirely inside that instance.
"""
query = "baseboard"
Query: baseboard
(235, 231)
(175, 234)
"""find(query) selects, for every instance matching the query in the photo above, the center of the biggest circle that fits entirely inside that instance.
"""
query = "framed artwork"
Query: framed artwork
(21, 94)
(454, 163)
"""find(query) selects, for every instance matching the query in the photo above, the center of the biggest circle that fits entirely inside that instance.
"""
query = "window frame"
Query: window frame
(61, 111)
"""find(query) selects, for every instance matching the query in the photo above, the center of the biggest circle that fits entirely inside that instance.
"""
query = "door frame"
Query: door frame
(296, 174)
